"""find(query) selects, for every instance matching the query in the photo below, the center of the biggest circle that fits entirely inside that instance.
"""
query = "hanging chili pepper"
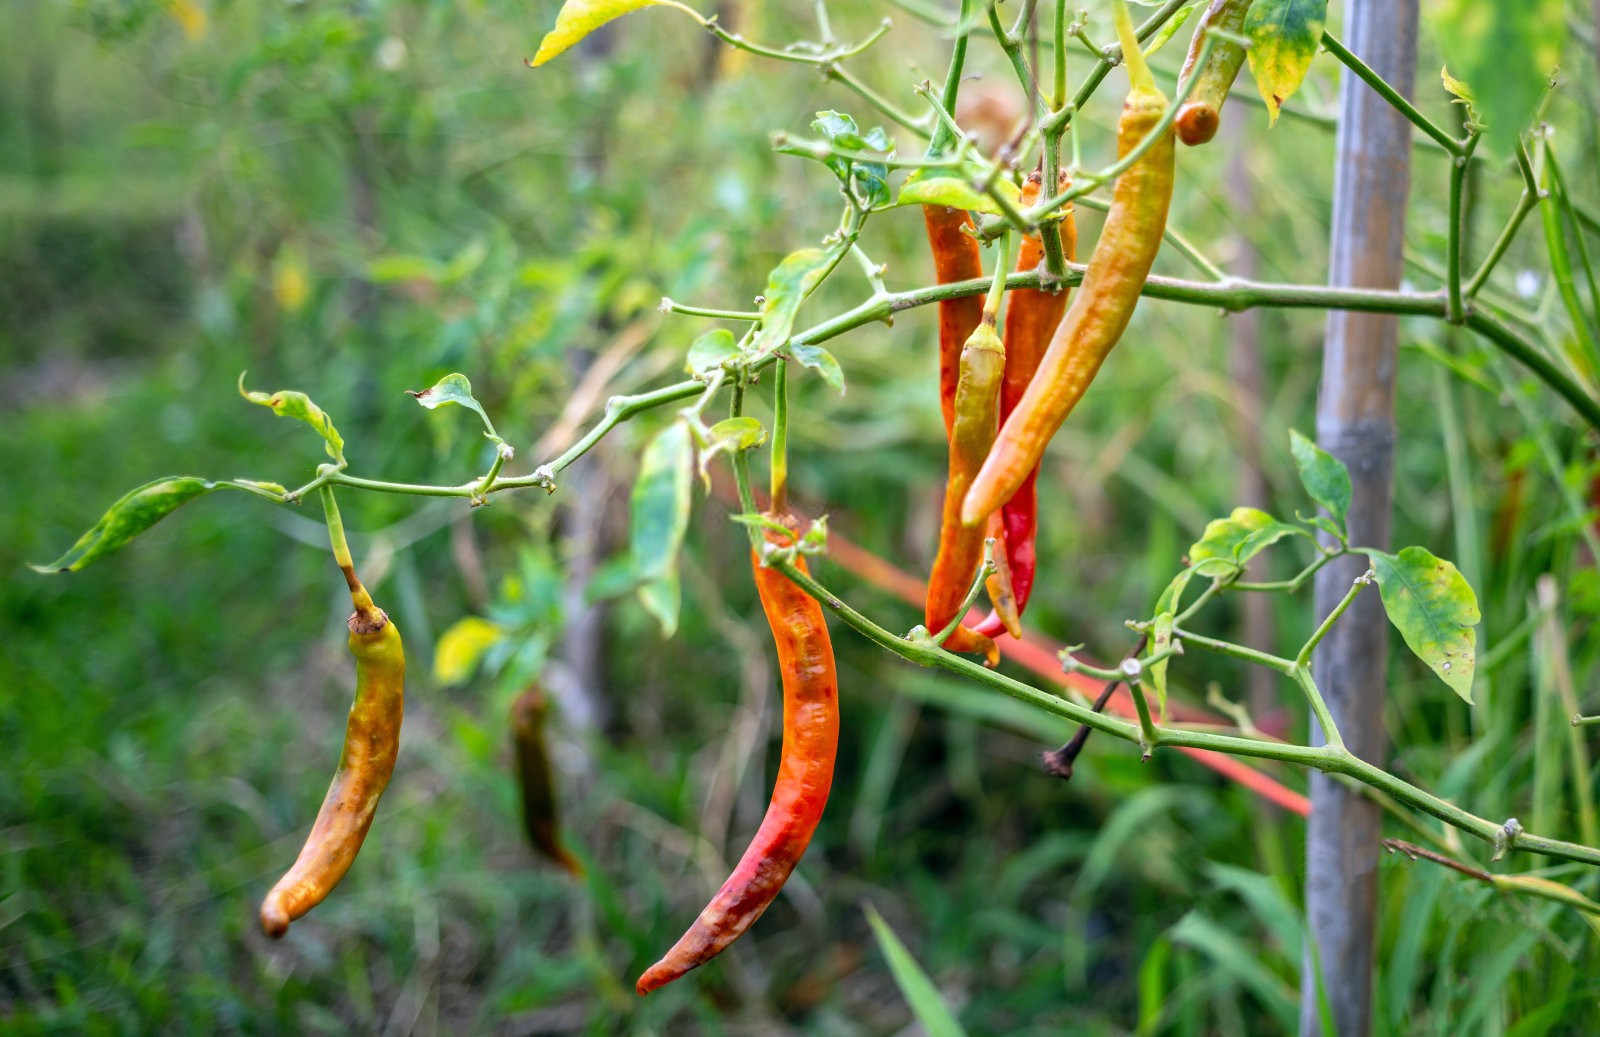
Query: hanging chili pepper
(805, 773)
(1103, 304)
(1201, 114)
(371, 742)
(1031, 319)
(536, 778)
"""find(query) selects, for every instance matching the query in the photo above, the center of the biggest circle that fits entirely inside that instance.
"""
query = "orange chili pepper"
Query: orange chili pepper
(977, 405)
(371, 742)
(1103, 304)
(805, 773)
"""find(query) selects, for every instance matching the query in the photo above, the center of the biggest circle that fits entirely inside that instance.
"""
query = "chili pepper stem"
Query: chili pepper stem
(341, 555)
(984, 572)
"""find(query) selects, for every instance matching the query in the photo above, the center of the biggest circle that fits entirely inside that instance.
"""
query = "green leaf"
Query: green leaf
(1245, 533)
(577, 19)
(454, 388)
(661, 598)
(1506, 52)
(820, 361)
(465, 262)
(660, 516)
(730, 435)
(914, 984)
(710, 351)
(1463, 95)
(872, 177)
(1324, 476)
(1284, 37)
(286, 403)
(956, 193)
(787, 287)
(1433, 607)
(132, 514)
(1241, 961)
(1171, 26)
(1173, 595)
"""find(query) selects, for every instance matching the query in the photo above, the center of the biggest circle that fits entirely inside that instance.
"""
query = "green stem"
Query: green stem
(942, 137)
(985, 570)
(780, 438)
(839, 73)
(1319, 708)
(1395, 98)
(341, 552)
(1303, 659)
(1248, 654)
(669, 306)
(1452, 263)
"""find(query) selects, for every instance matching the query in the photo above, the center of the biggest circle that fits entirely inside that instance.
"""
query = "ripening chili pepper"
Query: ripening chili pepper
(536, 779)
(1103, 303)
(977, 406)
(371, 742)
(1201, 114)
(1031, 319)
(956, 257)
(805, 773)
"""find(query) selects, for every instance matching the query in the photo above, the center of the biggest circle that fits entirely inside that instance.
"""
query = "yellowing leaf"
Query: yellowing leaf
(577, 19)
(461, 648)
(290, 285)
(1284, 37)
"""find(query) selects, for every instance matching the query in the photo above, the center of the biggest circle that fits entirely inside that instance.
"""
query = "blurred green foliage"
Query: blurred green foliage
(354, 199)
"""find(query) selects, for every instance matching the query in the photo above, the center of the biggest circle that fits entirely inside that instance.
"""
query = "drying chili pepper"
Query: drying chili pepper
(805, 773)
(371, 742)
(977, 406)
(1201, 114)
(1105, 301)
(956, 257)
(1031, 319)
(536, 778)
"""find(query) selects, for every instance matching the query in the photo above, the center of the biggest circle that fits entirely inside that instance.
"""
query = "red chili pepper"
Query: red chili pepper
(805, 773)
(1031, 319)
(956, 257)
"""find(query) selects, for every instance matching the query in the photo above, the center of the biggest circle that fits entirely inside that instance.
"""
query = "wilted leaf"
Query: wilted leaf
(1284, 37)
(1435, 610)
(132, 514)
(287, 403)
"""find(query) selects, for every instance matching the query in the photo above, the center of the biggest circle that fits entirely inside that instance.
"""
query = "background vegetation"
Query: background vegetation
(353, 199)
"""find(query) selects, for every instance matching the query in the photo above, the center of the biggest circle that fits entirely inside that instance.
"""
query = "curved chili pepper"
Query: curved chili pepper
(1031, 319)
(977, 405)
(805, 773)
(536, 779)
(371, 742)
(1103, 304)
(1201, 114)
